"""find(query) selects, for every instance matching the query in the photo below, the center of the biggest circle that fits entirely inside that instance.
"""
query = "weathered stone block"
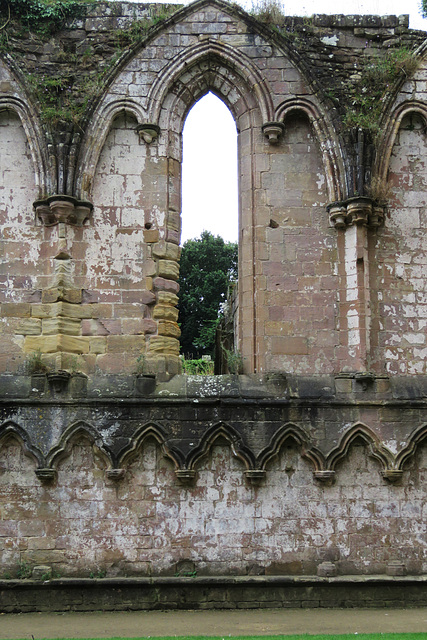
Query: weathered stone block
(16, 309)
(167, 298)
(30, 326)
(162, 284)
(166, 250)
(151, 235)
(68, 326)
(163, 344)
(165, 312)
(168, 269)
(169, 329)
(53, 343)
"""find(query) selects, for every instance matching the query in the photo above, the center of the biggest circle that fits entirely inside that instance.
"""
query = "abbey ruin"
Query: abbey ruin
(300, 481)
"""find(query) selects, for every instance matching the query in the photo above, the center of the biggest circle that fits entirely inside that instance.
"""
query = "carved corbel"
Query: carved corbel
(337, 216)
(61, 209)
(360, 211)
(392, 475)
(325, 477)
(255, 476)
(273, 131)
(115, 474)
(148, 132)
(46, 475)
(185, 476)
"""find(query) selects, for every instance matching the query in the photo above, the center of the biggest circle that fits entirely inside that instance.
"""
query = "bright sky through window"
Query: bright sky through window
(209, 175)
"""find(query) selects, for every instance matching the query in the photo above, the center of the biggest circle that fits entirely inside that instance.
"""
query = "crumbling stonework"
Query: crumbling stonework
(313, 460)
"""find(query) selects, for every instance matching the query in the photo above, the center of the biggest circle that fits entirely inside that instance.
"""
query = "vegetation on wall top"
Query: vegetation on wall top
(42, 16)
(74, 71)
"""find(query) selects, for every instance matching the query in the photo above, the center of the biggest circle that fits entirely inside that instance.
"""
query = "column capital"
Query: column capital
(360, 210)
(62, 208)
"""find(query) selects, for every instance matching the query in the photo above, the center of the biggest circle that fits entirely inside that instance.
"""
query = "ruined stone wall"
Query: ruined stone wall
(103, 167)
(149, 525)
(110, 461)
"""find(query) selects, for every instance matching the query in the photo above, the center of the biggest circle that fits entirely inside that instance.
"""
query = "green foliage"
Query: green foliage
(234, 361)
(35, 363)
(424, 8)
(377, 77)
(42, 16)
(198, 367)
(24, 571)
(208, 265)
(101, 573)
(270, 12)
(139, 28)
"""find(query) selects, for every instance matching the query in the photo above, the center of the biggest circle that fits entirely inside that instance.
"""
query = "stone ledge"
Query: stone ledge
(218, 592)
(304, 580)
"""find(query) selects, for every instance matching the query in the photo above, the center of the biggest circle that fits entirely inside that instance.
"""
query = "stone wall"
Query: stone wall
(100, 108)
(213, 475)
(312, 461)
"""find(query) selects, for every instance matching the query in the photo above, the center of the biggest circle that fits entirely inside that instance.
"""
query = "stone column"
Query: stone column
(353, 219)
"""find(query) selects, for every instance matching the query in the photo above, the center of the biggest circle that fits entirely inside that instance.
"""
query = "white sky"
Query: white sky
(209, 198)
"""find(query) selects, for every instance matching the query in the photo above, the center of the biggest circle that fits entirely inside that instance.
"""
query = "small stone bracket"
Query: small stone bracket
(185, 476)
(395, 568)
(327, 569)
(364, 379)
(115, 474)
(148, 132)
(325, 477)
(46, 475)
(58, 381)
(255, 476)
(62, 209)
(360, 211)
(392, 475)
(273, 131)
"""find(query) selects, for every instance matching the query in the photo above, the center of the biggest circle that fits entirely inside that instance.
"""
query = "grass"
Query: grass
(301, 636)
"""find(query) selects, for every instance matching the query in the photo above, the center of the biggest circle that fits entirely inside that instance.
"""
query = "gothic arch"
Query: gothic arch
(155, 432)
(391, 130)
(409, 451)
(34, 136)
(221, 430)
(96, 137)
(68, 438)
(300, 437)
(327, 139)
(360, 431)
(12, 429)
(199, 69)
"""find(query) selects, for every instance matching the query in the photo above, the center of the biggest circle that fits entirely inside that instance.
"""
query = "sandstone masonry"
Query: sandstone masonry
(312, 461)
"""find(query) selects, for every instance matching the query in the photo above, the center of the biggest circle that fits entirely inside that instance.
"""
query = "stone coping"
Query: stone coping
(214, 581)
(104, 9)
(276, 388)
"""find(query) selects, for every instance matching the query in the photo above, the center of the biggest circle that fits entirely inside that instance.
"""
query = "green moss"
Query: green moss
(366, 97)
(43, 17)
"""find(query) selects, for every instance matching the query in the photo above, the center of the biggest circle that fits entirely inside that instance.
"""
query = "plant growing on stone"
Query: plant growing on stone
(198, 367)
(24, 571)
(35, 363)
(270, 12)
(234, 361)
(380, 190)
(43, 17)
(376, 79)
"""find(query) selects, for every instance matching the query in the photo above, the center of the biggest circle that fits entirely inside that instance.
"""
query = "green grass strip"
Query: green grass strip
(300, 636)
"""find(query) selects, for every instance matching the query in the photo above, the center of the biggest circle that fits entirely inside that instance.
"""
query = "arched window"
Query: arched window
(209, 173)
(210, 216)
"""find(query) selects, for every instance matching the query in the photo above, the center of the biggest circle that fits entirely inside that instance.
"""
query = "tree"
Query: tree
(208, 265)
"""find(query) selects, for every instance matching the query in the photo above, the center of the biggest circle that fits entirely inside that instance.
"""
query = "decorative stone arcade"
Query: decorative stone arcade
(310, 463)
